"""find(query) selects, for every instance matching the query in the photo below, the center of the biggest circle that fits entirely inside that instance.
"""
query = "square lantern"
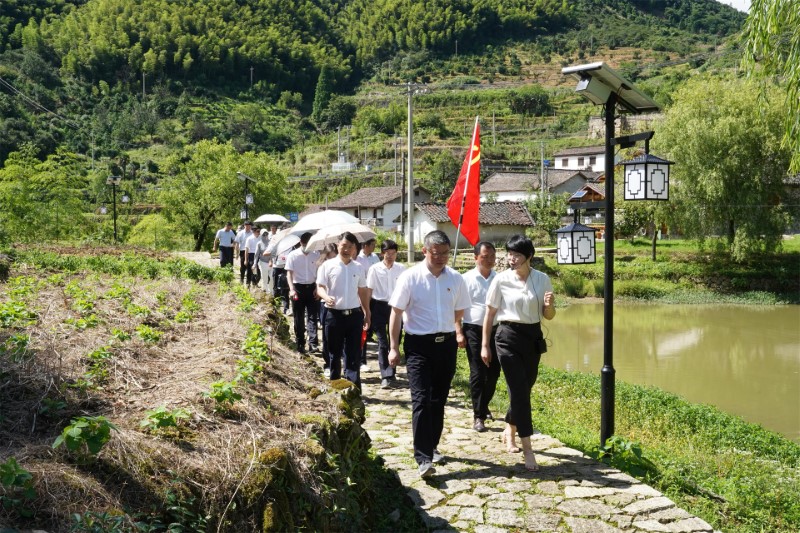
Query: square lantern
(575, 245)
(647, 178)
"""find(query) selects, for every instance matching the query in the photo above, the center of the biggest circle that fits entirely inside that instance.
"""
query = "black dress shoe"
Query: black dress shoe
(478, 426)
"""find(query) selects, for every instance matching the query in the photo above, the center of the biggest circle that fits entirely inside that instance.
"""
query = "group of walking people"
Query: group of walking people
(435, 310)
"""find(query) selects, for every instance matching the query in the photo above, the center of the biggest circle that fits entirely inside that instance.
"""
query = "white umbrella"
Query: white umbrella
(270, 219)
(286, 244)
(322, 219)
(331, 234)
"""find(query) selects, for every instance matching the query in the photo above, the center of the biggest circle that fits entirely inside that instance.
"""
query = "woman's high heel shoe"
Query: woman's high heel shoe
(505, 438)
(530, 461)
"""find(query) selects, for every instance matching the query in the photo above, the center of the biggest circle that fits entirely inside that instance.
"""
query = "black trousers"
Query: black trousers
(431, 366)
(326, 357)
(344, 333)
(518, 351)
(225, 255)
(380, 312)
(253, 274)
(482, 378)
(305, 308)
(280, 287)
(242, 266)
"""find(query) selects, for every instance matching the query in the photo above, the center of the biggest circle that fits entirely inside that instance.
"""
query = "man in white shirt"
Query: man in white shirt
(301, 276)
(241, 239)
(381, 281)
(264, 262)
(224, 239)
(482, 377)
(430, 299)
(342, 288)
(367, 258)
(250, 246)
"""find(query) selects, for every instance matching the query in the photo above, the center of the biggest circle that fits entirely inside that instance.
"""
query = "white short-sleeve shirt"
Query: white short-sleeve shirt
(303, 266)
(477, 286)
(428, 302)
(382, 280)
(226, 237)
(251, 243)
(518, 301)
(241, 238)
(342, 281)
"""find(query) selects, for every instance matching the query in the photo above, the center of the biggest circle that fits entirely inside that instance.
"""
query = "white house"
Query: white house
(497, 221)
(582, 158)
(378, 206)
(520, 187)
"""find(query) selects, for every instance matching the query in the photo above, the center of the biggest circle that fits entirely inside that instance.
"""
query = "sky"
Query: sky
(741, 5)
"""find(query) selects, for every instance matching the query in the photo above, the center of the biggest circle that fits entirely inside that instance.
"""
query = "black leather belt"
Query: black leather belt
(436, 337)
(346, 312)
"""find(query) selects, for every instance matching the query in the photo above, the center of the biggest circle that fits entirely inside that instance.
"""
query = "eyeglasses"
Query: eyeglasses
(438, 254)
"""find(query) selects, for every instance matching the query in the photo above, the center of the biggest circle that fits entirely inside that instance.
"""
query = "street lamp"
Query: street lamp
(114, 181)
(601, 85)
(646, 176)
(248, 198)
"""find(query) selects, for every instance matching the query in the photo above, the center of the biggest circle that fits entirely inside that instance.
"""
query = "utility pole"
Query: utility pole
(395, 160)
(456, 47)
(410, 217)
(494, 137)
(251, 77)
(541, 175)
(142, 85)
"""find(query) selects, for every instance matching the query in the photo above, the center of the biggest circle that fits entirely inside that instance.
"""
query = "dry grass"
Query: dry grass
(211, 454)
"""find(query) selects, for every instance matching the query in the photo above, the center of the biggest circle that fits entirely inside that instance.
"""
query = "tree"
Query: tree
(340, 112)
(530, 101)
(444, 169)
(772, 50)
(201, 191)
(729, 169)
(322, 94)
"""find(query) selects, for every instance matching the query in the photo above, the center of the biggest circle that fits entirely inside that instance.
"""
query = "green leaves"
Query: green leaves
(93, 432)
(161, 418)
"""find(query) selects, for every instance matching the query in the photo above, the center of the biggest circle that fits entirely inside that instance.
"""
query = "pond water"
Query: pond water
(743, 359)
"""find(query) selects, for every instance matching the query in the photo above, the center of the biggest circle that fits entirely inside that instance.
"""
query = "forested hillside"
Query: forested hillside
(125, 85)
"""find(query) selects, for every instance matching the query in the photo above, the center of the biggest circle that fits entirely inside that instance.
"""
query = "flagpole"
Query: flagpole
(466, 188)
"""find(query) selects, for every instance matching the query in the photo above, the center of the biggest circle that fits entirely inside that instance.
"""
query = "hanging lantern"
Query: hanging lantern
(243, 214)
(647, 178)
(248, 199)
(575, 245)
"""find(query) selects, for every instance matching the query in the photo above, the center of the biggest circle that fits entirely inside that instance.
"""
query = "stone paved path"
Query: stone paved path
(484, 489)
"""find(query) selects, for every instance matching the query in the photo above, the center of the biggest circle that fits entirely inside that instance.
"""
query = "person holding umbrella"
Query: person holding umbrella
(342, 287)
(301, 275)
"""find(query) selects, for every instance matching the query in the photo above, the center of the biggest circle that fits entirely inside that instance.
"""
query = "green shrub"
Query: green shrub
(574, 284)
(92, 431)
(642, 290)
(18, 488)
(148, 333)
(161, 418)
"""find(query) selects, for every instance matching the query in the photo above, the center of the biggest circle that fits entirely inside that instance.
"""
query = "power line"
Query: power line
(35, 104)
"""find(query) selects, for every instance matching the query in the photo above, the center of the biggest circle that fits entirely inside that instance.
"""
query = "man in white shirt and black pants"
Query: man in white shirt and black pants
(301, 275)
(250, 245)
(224, 239)
(241, 240)
(482, 377)
(381, 281)
(430, 299)
(367, 259)
(342, 287)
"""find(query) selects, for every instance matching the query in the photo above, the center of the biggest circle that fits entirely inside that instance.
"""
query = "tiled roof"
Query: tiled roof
(368, 197)
(519, 181)
(491, 213)
(581, 150)
(311, 208)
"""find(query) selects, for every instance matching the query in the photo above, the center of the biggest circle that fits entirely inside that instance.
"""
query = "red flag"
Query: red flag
(463, 207)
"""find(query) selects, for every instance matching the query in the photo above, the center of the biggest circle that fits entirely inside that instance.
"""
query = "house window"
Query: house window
(565, 162)
(593, 160)
(580, 161)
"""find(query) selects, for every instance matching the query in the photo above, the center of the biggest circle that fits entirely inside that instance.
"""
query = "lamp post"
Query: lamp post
(114, 181)
(601, 85)
(248, 198)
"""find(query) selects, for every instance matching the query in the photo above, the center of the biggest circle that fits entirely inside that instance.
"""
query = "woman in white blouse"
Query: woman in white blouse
(518, 298)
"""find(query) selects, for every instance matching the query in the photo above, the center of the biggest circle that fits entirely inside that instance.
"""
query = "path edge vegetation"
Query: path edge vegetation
(735, 475)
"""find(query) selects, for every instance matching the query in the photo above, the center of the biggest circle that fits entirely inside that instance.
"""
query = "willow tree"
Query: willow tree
(772, 51)
(730, 166)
